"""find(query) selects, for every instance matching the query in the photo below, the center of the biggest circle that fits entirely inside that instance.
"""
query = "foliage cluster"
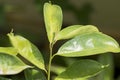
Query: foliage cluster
(84, 40)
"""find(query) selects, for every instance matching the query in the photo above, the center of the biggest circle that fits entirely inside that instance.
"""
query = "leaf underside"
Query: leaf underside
(8, 50)
(75, 30)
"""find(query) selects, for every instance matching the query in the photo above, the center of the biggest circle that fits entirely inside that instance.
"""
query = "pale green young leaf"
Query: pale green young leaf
(8, 50)
(88, 44)
(53, 20)
(10, 64)
(74, 30)
(81, 69)
(28, 50)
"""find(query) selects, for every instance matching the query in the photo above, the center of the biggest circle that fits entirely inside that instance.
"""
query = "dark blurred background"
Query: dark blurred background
(26, 18)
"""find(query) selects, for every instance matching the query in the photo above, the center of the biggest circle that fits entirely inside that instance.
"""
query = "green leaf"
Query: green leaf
(57, 69)
(108, 73)
(53, 20)
(80, 70)
(10, 64)
(88, 44)
(27, 50)
(18, 76)
(2, 78)
(75, 30)
(8, 50)
(73, 79)
(33, 74)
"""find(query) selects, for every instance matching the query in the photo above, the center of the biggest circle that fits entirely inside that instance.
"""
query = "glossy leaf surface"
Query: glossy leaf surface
(8, 50)
(10, 64)
(81, 69)
(27, 50)
(88, 44)
(53, 20)
(75, 30)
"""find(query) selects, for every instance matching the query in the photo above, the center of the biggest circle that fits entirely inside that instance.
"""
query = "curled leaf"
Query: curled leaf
(53, 20)
(28, 50)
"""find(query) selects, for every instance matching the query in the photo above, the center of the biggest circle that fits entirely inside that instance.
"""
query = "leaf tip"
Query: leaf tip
(105, 66)
(11, 33)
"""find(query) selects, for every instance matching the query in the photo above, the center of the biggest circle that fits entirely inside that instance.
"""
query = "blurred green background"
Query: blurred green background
(26, 18)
